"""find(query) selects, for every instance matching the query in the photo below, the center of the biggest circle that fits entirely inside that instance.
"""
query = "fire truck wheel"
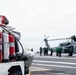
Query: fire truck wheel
(13, 74)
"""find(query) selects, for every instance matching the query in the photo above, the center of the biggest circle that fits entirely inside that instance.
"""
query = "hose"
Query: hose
(16, 39)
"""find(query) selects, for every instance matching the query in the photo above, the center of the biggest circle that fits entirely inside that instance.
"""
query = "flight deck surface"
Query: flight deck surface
(53, 65)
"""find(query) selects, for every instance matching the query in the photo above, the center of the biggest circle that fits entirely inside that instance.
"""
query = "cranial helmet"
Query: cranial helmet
(3, 20)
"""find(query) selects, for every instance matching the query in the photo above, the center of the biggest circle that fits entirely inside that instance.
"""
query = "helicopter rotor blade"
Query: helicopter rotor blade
(58, 39)
(42, 41)
(47, 37)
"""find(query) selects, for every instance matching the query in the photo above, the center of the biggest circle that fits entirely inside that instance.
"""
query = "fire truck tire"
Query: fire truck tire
(13, 74)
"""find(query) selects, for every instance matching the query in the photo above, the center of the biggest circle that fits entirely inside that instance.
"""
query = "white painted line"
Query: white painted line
(56, 57)
(38, 69)
(54, 65)
(69, 63)
(61, 74)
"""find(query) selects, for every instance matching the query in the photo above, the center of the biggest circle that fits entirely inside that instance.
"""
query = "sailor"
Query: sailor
(51, 51)
(40, 51)
(27, 56)
(45, 51)
(70, 48)
(58, 51)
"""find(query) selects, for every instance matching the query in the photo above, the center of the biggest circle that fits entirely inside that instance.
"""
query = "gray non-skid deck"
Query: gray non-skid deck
(53, 65)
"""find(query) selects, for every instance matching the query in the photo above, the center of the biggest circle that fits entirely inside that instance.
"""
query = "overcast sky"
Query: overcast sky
(34, 18)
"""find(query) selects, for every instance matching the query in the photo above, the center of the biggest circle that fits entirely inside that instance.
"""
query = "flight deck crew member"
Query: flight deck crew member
(51, 51)
(70, 48)
(45, 51)
(40, 51)
(58, 51)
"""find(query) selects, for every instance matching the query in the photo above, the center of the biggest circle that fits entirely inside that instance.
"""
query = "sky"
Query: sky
(34, 18)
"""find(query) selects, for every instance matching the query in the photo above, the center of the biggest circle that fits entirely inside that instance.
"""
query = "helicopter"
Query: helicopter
(67, 46)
